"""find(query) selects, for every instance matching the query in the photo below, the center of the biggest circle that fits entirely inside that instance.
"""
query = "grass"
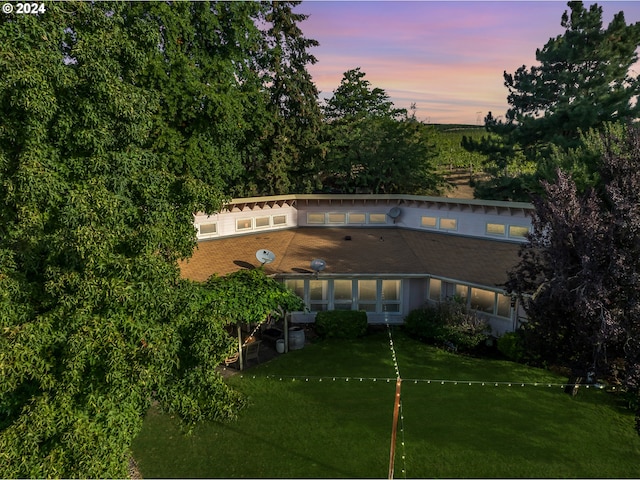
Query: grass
(314, 427)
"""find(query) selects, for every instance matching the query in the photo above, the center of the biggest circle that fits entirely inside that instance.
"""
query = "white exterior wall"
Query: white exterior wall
(472, 217)
(227, 222)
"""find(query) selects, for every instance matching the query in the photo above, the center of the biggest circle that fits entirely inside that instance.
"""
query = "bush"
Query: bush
(341, 324)
(511, 346)
(449, 324)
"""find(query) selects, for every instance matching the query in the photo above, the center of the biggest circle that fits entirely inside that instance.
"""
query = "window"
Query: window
(504, 305)
(347, 294)
(482, 300)
(357, 218)
(315, 217)
(279, 220)
(448, 224)
(318, 298)
(390, 295)
(435, 287)
(337, 218)
(367, 295)
(297, 286)
(429, 222)
(208, 228)
(377, 218)
(517, 231)
(262, 222)
(462, 291)
(496, 229)
(243, 224)
(342, 295)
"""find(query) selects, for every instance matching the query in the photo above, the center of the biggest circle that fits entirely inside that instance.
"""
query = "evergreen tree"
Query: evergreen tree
(284, 158)
(583, 80)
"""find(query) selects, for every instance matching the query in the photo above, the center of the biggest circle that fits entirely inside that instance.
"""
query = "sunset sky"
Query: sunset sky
(447, 57)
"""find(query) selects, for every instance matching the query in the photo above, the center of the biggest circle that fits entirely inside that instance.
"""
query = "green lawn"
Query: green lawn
(314, 426)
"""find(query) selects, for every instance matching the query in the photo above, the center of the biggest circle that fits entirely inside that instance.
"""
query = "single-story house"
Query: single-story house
(384, 254)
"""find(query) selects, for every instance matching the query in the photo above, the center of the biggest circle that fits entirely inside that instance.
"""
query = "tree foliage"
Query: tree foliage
(582, 266)
(284, 148)
(373, 147)
(119, 121)
(583, 80)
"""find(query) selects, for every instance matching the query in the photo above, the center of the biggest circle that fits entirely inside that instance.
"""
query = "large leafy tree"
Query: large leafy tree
(101, 170)
(583, 80)
(581, 269)
(205, 71)
(374, 147)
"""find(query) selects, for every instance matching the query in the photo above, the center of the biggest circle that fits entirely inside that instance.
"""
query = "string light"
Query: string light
(477, 383)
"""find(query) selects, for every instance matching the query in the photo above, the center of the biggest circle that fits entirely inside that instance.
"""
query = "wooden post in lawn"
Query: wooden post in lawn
(394, 428)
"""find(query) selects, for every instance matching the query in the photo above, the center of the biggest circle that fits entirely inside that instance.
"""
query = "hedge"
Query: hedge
(341, 323)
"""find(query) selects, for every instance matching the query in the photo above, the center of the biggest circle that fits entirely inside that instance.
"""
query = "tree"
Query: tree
(373, 146)
(583, 80)
(288, 143)
(101, 171)
(355, 98)
(206, 75)
(582, 267)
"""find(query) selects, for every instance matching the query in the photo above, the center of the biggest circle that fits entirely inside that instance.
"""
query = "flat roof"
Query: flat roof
(387, 199)
(371, 251)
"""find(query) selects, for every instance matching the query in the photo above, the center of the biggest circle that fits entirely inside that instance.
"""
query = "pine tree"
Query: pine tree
(583, 80)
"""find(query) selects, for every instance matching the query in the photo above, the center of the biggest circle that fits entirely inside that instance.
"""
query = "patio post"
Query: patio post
(240, 347)
(286, 334)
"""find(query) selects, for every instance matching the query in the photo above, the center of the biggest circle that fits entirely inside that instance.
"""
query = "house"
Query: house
(384, 254)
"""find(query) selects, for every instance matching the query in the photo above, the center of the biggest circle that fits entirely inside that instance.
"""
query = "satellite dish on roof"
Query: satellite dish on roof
(317, 265)
(265, 256)
(394, 212)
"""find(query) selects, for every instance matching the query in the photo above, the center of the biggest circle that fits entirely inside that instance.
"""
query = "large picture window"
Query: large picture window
(435, 289)
(482, 300)
(318, 295)
(390, 297)
(297, 286)
(370, 295)
(367, 294)
(342, 294)
(504, 305)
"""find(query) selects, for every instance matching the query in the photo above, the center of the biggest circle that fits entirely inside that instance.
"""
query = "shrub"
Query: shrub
(510, 345)
(447, 323)
(341, 323)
